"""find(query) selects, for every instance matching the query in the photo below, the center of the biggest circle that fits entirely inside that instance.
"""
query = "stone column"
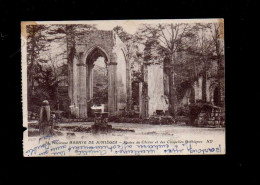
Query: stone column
(91, 81)
(144, 104)
(141, 109)
(70, 81)
(82, 95)
(87, 82)
(112, 91)
(75, 82)
(128, 85)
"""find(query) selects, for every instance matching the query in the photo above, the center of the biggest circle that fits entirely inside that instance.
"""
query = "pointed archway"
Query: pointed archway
(107, 45)
(89, 58)
(96, 79)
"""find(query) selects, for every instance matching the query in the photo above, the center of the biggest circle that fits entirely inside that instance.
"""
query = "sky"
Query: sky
(129, 26)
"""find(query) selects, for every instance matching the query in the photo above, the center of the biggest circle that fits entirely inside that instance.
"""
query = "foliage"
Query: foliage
(68, 35)
(36, 44)
(49, 49)
(162, 43)
(187, 51)
(100, 82)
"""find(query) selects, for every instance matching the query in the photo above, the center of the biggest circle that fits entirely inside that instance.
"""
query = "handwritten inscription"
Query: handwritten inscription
(49, 146)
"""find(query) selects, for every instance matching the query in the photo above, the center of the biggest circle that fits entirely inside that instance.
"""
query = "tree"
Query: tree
(217, 34)
(202, 47)
(206, 47)
(100, 85)
(46, 44)
(68, 35)
(36, 43)
(164, 41)
(50, 76)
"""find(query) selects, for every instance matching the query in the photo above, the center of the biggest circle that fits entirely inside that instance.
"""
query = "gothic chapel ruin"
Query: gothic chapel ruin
(99, 75)
(107, 44)
(97, 44)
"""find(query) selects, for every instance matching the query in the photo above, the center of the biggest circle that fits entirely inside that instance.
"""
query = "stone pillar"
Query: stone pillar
(70, 81)
(88, 84)
(143, 96)
(112, 91)
(75, 83)
(141, 109)
(82, 95)
(128, 85)
(91, 80)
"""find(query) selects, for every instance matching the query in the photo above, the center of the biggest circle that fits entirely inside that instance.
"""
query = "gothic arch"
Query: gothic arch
(212, 90)
(107, 45)
(89, 51)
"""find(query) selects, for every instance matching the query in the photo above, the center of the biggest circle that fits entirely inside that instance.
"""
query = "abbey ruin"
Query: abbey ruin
(108, 45)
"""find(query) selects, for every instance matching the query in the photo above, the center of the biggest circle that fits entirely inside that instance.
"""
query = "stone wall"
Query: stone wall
(198, 89)
(120, 59)
(103, 39)
(211, 84)
(111, 48)
(157, 99)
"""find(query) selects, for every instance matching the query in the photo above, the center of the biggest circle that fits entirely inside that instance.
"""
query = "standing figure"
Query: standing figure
(45, 122)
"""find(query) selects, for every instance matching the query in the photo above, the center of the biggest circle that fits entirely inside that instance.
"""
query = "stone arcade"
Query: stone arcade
(97, 44)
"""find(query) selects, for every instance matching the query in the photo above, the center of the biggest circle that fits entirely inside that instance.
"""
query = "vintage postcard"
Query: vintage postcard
(123, 87)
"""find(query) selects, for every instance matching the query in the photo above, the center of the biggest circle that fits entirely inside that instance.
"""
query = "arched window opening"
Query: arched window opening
(97, 81)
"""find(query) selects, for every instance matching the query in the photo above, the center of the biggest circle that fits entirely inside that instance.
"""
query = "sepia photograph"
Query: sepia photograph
(123, 87)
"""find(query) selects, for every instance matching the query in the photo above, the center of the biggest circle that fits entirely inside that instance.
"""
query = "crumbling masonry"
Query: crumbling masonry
(99, 44)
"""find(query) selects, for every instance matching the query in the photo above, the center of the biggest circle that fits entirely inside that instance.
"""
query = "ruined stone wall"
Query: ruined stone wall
(103, 39)
(120, 59)
(198, 89)
(157, 99)
(112, 47)
(214, 84)
(211, 84)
